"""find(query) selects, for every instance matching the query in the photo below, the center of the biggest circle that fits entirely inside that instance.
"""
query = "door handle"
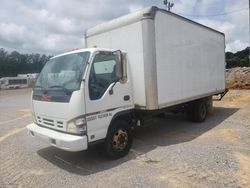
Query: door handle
(126, 97)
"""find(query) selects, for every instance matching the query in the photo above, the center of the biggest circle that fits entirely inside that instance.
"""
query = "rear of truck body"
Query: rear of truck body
(147, 62)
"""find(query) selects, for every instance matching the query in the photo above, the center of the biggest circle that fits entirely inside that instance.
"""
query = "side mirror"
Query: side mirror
(119, 66)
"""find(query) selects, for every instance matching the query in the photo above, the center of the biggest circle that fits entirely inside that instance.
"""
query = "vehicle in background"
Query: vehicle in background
(21, 81)
(142, 65)
(13, 82)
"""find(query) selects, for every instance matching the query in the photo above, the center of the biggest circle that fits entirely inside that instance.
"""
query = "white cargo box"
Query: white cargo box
(172, 59)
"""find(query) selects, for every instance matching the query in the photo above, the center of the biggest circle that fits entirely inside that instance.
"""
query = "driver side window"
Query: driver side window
(102, 74)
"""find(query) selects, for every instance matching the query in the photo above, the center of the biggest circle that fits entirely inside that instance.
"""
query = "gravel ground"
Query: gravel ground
(171, 153)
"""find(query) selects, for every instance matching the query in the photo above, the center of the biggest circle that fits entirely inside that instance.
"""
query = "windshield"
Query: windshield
(63, 72)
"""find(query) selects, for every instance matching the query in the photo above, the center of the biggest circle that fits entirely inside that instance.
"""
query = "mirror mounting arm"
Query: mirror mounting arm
(111, 90)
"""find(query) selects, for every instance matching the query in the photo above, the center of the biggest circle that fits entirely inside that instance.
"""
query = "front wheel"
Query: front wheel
(119, 139)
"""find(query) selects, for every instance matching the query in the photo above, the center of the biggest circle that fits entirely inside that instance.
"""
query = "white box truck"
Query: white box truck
(134, 67)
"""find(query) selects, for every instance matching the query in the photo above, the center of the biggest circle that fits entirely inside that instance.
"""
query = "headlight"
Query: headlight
(77, 126)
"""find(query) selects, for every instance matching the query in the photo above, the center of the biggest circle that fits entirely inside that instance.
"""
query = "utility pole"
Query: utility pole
(168, 4)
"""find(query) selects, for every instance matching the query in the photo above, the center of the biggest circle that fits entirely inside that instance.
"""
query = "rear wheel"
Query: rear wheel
(119, 139)
(200, 111)
(197, 111)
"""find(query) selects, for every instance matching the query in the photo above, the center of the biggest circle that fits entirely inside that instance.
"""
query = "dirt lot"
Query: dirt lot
(171, 153)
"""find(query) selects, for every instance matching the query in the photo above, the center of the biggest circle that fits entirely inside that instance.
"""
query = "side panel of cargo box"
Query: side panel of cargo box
(190, 60)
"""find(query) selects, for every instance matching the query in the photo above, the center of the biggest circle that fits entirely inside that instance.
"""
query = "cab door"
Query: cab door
(105, 93)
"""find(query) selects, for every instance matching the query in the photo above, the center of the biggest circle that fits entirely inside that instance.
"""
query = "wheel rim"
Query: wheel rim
(120, 139)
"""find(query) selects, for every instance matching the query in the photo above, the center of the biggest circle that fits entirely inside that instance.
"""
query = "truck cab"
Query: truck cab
(77, 95)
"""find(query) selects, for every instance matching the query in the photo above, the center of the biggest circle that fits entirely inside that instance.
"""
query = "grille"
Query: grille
(44, 121)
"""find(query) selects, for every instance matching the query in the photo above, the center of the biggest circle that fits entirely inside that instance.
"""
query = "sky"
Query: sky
(55, 26)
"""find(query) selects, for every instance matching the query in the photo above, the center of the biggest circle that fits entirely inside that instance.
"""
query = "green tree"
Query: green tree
(13, 63)
(238, 59)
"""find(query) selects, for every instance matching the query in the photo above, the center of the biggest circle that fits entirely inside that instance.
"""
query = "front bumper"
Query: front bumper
(60, 140)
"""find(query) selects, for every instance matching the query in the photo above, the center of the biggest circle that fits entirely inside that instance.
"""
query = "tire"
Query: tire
(210, 108)
(200, 111)
(119, 139)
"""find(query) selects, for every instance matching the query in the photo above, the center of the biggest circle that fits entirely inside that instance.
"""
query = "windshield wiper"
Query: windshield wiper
(57, 86)
(60, 87)
(38, 86)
